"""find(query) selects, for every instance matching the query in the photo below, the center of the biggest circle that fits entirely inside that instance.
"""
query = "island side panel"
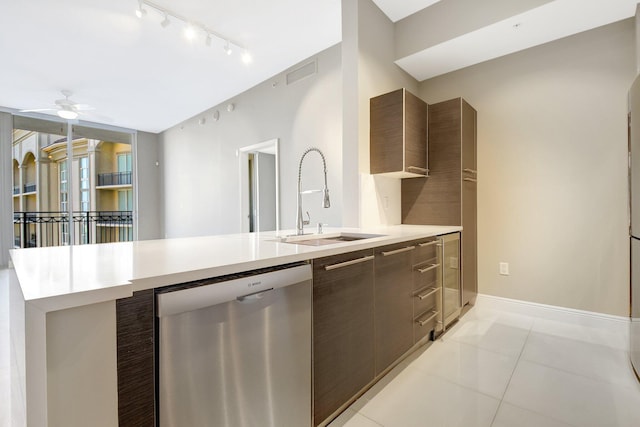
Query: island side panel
(81, 366)
(136, 371)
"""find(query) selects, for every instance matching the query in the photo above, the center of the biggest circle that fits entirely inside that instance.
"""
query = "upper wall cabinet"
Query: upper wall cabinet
(398, 135)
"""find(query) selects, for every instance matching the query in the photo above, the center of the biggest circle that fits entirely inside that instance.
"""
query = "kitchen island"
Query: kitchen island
(63, 307)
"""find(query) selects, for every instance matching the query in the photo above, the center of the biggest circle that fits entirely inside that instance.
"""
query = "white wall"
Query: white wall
(552, 168)
(199, 166)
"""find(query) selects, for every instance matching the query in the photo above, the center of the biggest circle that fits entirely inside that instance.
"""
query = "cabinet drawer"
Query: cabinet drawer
(426, 299)
(424, 324)
(426, 249)
(426, 274)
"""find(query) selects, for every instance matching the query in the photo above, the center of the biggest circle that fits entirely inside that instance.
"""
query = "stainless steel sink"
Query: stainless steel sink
(326, 239)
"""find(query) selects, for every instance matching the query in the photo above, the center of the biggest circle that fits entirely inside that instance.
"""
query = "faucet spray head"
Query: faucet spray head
(326, 202)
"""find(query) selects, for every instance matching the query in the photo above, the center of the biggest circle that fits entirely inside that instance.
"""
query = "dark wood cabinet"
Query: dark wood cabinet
(427, 288)
(449, 196)
(343, 329)
(398, 135)
(393, 303)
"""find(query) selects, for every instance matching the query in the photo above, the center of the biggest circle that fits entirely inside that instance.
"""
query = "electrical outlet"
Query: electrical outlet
(504, 268)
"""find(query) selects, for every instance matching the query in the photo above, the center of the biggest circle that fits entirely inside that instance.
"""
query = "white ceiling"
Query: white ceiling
(146, 77)
(141, 75)
(398, 9)
(551, 21)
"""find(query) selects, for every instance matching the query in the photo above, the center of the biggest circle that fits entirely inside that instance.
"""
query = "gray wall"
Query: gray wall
(148, 187)
(552, 168)
(266, 177)
(368, 71)
(199, 166)
(446, 20)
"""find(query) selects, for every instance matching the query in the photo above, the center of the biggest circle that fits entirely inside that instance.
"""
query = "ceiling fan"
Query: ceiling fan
(65, 107)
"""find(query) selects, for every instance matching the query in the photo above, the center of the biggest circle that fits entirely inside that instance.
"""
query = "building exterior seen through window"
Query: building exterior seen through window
(101, 190)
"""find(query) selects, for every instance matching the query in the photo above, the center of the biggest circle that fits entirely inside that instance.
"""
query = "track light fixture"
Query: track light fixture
(190, 32)
(246, 57)
(193, 29)
(165, 22)
(140, 11)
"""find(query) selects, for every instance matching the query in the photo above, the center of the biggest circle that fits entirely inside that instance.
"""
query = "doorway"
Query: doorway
(259, 187)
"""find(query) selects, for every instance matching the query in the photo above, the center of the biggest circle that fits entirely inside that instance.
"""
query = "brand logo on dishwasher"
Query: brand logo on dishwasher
(252, 284)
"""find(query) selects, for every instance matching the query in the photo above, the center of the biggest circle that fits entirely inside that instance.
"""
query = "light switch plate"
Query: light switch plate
(504, 268)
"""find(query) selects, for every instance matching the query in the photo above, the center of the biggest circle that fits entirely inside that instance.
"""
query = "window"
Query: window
(124, 162)
(85, 204)
(125, 200)
(64, 200)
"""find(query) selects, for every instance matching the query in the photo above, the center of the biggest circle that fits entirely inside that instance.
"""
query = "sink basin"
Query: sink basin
(326, 239)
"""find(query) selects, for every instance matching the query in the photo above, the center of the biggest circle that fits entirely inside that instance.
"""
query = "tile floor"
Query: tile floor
(494, 368)
(503, 369)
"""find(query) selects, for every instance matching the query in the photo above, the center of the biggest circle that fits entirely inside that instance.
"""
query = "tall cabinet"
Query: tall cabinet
(449, 195)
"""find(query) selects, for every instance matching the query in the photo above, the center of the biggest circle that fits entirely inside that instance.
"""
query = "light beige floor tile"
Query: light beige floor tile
(579, 357)
(350, 418)
(417, 399)
(491, 335)
(481, 370)
(612, 334)
(512, 416)
(571, 398)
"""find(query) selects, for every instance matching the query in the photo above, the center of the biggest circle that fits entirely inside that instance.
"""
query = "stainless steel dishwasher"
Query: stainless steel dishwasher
(237, 353)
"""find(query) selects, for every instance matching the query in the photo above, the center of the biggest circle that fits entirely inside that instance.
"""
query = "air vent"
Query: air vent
(302, 72)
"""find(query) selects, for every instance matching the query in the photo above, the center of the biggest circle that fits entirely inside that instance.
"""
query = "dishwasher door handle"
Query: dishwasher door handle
(253, 297)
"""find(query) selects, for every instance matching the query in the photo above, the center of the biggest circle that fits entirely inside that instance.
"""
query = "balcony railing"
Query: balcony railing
(40, 229)
(29, 188)
(16, 189)
(114, 178)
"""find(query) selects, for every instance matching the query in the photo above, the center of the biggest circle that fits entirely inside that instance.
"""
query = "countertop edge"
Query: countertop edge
(124, 289)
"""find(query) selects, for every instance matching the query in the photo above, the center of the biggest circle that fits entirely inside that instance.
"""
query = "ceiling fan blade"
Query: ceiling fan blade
(38, 110)
(83, 107)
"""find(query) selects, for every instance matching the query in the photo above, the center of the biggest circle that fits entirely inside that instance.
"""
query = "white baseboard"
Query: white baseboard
(551, 312)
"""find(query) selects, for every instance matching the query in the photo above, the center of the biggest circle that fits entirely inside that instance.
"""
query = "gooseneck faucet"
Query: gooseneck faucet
(300, 223)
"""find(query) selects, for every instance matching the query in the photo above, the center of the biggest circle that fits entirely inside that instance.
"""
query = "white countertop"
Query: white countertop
(56, 278)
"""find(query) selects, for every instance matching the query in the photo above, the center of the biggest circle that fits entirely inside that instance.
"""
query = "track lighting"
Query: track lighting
(192, 29)
(140, 11)
(246, 57)
(227, 48)
(190, 32)
(165, 22)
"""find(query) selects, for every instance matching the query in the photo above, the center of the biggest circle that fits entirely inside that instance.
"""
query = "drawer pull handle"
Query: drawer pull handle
(473, 171)
(470, 179)
(348, 263)
(397, 251)
(422, 171)
(428, 268)
(427, 293)
(423, 321)
(431, 243)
